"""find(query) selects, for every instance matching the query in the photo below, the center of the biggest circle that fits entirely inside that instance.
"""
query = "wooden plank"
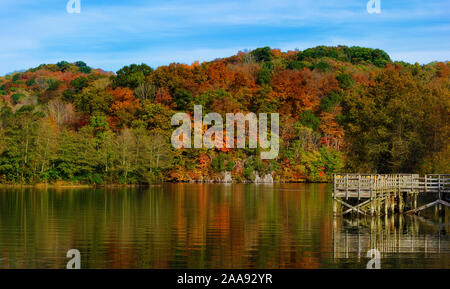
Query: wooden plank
(444, 203)
(352, 208)
(437, 202)
(423, 207)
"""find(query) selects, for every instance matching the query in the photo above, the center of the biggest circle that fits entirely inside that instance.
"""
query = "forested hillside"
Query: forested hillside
(341, 109)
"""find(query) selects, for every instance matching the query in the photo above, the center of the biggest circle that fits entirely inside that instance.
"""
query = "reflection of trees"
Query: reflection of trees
(205, 226)
(175, 225)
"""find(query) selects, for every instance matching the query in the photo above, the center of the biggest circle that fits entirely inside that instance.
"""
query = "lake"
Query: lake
(208, 226)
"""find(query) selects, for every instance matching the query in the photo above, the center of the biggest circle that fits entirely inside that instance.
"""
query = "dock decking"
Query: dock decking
(375, 194)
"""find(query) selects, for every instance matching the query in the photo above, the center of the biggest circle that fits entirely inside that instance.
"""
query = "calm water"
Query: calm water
(207, 226)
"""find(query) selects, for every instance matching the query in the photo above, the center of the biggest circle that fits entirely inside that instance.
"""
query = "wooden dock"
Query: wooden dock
(378, 194)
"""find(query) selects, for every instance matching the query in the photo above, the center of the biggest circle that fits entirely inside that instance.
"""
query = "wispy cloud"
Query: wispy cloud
(113, 33)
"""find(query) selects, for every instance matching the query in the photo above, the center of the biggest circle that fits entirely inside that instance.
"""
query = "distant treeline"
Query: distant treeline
(341, 109)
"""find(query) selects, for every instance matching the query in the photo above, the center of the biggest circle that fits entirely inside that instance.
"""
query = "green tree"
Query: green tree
(262, 54)
(345, 80)
(264, 75)
(131, 76)
(93, 100)
(79, 83)
(20, 131)
(309, 119)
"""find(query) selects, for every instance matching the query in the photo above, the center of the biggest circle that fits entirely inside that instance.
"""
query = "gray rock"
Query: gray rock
(227, 177)
(266, 179)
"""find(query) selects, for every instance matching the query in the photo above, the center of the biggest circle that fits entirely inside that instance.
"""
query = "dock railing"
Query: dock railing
(389, 188)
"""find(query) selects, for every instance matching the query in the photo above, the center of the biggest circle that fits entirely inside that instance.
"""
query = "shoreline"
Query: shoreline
(86, 186)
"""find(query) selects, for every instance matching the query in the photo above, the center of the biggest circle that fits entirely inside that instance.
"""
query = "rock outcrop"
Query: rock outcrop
(266, 179)
(227, 178)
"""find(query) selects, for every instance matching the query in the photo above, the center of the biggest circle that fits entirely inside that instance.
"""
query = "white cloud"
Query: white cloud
(422, 56)
(116, 33)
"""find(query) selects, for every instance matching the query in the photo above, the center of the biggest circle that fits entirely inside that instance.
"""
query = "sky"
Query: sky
(110, 34)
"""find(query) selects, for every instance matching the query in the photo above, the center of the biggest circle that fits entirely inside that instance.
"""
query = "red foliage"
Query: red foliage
(123, 107)
(297, 89)
(219, 76)
(163, 97)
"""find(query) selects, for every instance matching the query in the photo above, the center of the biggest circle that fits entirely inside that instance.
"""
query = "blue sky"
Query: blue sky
(109, 34)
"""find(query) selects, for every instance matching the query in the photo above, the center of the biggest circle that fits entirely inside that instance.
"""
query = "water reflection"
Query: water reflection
(403, 241)
(204, 226)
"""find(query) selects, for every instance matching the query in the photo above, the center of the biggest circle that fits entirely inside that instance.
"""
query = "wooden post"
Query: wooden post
(400, 203)
(346, 186)
(334, 186)
(439, 187)
(372, 204)
(335, 207)
(335, 201)
(415, 201)
(411, 183)
(378, 206)
(408, 200)
(359, 186)
(386, 204)
(393, 204)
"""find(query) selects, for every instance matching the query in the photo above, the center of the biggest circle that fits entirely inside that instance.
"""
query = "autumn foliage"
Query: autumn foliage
(341, 108)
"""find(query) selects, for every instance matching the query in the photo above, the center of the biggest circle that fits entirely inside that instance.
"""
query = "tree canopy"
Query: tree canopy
(341, 108)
